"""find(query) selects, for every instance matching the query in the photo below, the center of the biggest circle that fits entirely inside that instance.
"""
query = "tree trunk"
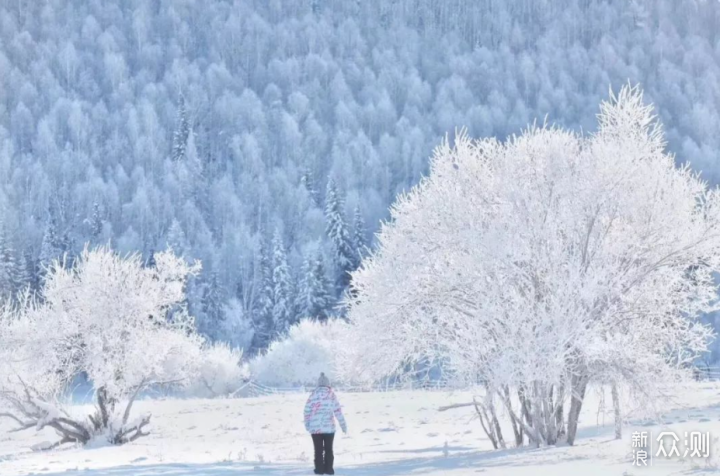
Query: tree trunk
(579, 385)
(486, 424)
(616, 410)
(560, 412)
(496, 424)
(516, 426)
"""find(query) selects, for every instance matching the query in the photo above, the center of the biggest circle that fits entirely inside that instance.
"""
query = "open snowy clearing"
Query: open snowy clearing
(391, 433)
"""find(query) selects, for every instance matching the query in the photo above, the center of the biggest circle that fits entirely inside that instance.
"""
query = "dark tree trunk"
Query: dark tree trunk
(579, 385)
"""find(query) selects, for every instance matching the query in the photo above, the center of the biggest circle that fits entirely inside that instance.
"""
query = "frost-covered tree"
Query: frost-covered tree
(51, 247)
(540, 264)
(182, 132)
(338, 233)
(263, 313)
(314, 298)
(308, 182)
(221, 371)
(96, 221)
(177, 240)
(283, 312)
(359, 234)
(9, 267)
(213, 302)
(106, 318)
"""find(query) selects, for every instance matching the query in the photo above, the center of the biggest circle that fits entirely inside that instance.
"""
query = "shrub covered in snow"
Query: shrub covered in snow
(309, 348)
(220, 371)
(111, 318)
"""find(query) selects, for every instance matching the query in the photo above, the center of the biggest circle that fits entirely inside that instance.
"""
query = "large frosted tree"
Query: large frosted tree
(540, 264)
(106, 317)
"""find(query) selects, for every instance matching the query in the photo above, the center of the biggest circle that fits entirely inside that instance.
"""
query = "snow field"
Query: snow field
(393, 433)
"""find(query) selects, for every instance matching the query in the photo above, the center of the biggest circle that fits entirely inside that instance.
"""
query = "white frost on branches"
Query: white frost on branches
(121, 324)
(309, 348)
(542, 263)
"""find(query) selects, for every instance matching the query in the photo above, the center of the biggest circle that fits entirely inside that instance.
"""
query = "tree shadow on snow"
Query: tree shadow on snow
(476, 460)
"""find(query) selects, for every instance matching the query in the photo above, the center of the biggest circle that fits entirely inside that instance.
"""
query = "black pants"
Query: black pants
(323, 442)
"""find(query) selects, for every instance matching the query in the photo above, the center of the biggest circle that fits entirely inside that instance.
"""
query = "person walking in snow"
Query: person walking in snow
(321, 410)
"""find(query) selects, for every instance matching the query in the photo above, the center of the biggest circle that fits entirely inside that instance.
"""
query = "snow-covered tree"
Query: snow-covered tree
(310, 347)
(542, 263)
(314, 298)
(220, 373)
(9, 267)
(283, 312)
(182, 132)
(339, 234)
(107, 318)
(177, 240)
(308, 182)
(213, 301)
(262, 315)
(237, 325)
(51, 247)
(359, 234)
(96, 221)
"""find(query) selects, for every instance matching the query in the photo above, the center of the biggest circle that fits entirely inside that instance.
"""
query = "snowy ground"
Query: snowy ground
(392, 433)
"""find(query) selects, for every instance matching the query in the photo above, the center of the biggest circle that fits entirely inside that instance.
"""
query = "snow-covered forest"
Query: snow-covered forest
(267, 139)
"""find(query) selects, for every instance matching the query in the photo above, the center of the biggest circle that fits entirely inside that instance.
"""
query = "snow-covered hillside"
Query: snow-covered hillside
(216, 126)
(393, 433)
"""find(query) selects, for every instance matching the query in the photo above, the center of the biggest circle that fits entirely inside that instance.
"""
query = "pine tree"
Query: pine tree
(283, 315)
(176, 239)
(307, 181)
(314, 297)
(182, 131)
(150, 261)
(8, 265)
(212, 306)
(337, 231)
(51, 247)
(96, 222)
(190, 170)
(25, 277)
(262, 315)
(359, 233)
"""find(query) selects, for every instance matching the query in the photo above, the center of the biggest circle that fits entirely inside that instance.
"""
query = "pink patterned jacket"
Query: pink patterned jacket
(321, 410)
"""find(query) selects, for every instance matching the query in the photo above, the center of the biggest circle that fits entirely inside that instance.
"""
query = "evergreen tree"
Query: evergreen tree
(314, 299)
(176, 239)
(25, 275)
(283, 315)
(262, 314)
(182, 131)
(337, 231)
(359, 233)
(51, 247)
(307, 181)
(190, 170)
(150, 261)
(212, 307)
(8, 265)
(96, 222)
